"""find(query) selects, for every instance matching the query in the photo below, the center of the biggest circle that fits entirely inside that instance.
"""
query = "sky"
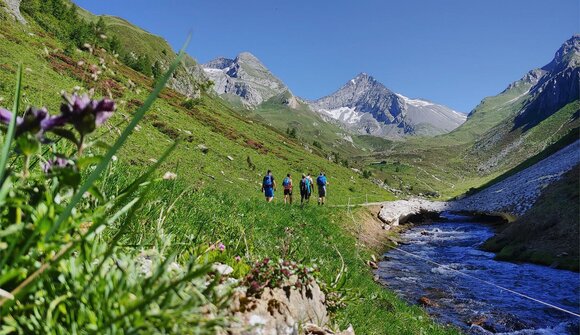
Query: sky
(453, 52)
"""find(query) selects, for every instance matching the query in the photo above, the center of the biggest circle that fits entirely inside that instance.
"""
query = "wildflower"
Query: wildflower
(34, 121)
(221, 247)
(56, 163)
(237, 258)
(84, 113)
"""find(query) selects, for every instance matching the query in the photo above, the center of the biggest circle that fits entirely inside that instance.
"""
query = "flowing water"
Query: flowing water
(474, 306)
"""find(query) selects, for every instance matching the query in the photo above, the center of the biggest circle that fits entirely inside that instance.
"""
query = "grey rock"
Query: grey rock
(13, 8)
(279, 311)
(366, 106)
(203, 148)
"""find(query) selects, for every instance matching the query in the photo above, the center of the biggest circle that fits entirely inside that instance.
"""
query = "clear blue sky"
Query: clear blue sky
(454, 52)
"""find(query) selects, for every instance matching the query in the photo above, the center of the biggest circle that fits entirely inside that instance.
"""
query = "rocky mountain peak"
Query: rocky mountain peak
(567, 56)
(248, 57)
(245, 78)
(366, 106)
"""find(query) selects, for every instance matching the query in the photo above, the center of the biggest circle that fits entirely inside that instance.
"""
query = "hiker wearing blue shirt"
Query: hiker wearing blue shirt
(287, 184)
(269, 186)
(321, 182)
(305, 189)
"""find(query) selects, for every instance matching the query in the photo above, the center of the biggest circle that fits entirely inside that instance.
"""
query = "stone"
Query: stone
(425, 301)
(203, 148)
(222, 269)
(279, 311)
(13, 8)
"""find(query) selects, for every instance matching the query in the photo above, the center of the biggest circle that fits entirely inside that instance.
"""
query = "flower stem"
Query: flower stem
(25, 171)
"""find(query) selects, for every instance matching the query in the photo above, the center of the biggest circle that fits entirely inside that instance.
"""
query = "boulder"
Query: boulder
(280, 311)
(13, 8)
(203, 148)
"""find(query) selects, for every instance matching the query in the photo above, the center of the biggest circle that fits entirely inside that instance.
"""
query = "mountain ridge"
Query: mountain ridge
(367, 106)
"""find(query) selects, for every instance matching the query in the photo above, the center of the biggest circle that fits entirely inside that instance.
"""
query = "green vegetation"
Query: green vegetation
(548, 233)
(213, 199)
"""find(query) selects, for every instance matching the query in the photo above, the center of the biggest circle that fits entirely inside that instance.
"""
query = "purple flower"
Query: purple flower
(6, 116)
(221, 247)
(84, 113)
(32, 121)
(56, 163)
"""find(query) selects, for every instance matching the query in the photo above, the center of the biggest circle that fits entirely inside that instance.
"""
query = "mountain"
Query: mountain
(366, 106)
(244, 79)
(557, 86)
(533, 113)
(545, 107)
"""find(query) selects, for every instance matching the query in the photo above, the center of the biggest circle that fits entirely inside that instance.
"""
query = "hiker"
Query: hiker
(269, 186)
(287, 184)
(311, 185)
(321, 182)
(305, 189)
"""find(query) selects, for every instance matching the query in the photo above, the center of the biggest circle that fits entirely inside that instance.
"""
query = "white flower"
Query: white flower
(169, 175)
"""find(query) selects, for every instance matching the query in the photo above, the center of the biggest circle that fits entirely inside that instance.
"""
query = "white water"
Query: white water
(460, 299)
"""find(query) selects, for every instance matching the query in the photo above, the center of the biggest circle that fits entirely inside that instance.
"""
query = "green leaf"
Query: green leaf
(96, 192)
(87, 161)
(92, 178)
(66, 133)
(28, 144)
(12, 126)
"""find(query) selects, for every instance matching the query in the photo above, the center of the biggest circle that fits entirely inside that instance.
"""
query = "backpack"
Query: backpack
(268, 181)
(286, 183)
(321, 180)
(305, 185)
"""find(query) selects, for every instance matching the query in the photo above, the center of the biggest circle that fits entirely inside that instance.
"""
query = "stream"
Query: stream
(472, 305)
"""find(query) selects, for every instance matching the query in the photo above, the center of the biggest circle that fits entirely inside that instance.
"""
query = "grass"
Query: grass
(548, 233)
(255, 229)
(216, 198)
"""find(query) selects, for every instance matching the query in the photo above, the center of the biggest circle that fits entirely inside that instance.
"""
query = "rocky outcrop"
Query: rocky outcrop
(514, 195)
(13, 8)
(366, 106)
(282, 311)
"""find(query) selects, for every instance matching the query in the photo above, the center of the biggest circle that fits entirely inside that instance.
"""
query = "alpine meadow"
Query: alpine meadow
(145, 192)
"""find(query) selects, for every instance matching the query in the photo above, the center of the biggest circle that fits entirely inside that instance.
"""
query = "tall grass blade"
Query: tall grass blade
(12, 126)
(93, 177)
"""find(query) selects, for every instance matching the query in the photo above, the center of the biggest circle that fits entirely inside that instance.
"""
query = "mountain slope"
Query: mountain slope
(366, 106)
(138, 42)
(244, 78)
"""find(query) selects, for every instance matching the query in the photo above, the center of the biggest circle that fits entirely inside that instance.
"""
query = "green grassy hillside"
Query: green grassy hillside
(548, 233)
(252, 147)
(216, 194)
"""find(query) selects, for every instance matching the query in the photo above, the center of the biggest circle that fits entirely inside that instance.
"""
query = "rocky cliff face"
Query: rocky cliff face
(244, 77)
(187, 78)
(558, 85)
(13, 8)
(366, 106)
